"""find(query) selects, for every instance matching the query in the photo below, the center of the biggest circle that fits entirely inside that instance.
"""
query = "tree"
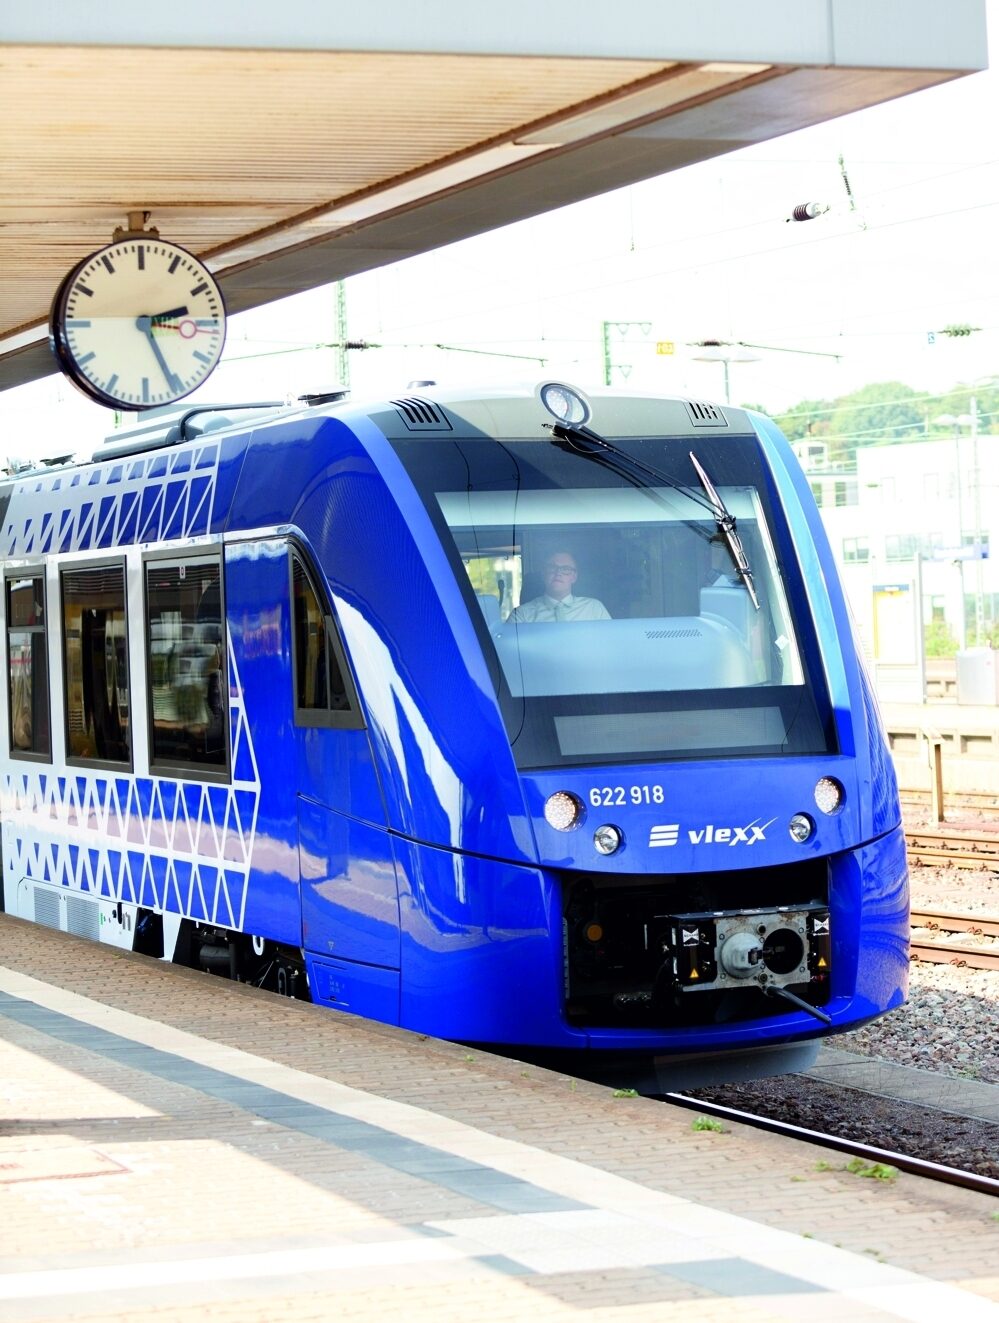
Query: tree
(810, 418)
(885, 413)
(880, 414)
(939, 640)
(957, 402)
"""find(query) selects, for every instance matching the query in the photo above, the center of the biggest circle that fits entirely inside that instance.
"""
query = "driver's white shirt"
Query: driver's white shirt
(547, 608)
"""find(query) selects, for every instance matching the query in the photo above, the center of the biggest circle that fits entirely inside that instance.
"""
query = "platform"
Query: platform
(968, 737)
(909, 1084)
(175, 1147)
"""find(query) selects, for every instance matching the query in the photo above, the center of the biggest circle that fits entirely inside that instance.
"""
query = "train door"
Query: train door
(350, 905)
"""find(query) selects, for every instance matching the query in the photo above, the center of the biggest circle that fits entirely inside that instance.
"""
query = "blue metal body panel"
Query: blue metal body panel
(359, 989)
(350, 903)
(256, 584)
(406, 629)
(481, 944)
(410, 861)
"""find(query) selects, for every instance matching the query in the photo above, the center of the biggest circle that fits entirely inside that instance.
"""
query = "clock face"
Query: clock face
(138, 324)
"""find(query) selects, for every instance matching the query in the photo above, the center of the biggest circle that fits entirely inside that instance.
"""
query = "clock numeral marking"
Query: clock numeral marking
(205, 358)
(77, 324)
(174, 265)
(112, 383)
(145, 390)
(86, 358)
(109, 264)
(140, 253)
(198, 289)
(84, 290)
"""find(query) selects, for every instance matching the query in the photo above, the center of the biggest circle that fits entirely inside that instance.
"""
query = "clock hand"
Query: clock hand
(187, 328)
(144, 324)
(171, 312)
(192, 328)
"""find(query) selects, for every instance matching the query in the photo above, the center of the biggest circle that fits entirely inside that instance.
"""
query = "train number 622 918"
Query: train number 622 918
(611, 796)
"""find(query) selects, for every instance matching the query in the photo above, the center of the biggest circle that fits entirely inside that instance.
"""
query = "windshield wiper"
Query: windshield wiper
(726, 525)
(584, 441)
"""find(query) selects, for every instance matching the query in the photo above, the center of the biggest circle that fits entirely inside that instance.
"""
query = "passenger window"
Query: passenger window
(324, 694)
(96, 653)
(186, 665)
(27, 667)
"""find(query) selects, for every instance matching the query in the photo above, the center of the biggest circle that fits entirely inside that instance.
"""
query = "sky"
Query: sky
(858, 295)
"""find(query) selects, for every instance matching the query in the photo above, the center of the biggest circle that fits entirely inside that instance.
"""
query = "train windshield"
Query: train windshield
(610, 603)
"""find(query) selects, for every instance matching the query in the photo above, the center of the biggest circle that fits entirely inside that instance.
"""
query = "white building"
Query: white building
(911, 527)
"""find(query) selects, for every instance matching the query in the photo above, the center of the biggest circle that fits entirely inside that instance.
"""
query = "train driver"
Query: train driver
(558, 601)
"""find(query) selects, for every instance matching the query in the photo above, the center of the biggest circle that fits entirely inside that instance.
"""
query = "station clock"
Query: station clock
(139, 323)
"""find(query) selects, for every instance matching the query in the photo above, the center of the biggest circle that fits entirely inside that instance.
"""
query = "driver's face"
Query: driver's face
(560, 575)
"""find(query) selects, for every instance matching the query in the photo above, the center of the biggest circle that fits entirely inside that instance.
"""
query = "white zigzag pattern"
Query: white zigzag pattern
(180, 846)
(164, 844)
(142, 498)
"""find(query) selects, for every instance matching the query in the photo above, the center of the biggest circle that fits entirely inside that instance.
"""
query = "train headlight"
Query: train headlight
(829, 794)
(801, 827)
(608, 838)
(563, 811)
(565, 403)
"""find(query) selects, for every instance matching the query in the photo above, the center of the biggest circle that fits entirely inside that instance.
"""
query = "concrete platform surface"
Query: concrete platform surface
(178, 1148)
(925, 1088)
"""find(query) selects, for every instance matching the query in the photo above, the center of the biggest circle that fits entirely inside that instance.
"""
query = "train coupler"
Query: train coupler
(769, 949)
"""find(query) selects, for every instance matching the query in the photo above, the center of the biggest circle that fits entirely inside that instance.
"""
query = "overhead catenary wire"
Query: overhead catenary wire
(742, 255)
(308, 347)
(483, 346)
(824, 412)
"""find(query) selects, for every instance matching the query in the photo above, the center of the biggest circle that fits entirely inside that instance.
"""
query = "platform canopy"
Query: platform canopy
(292, 144)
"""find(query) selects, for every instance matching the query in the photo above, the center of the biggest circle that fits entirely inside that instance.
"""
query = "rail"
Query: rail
(934, 1171)
(954, 849)
(985, 803)
(967, 939)
(943, 937)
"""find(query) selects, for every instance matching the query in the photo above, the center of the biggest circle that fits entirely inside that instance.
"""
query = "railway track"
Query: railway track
(947, 936)
(985, 803)
(951, 849)
(952, 938)
(872, 1157)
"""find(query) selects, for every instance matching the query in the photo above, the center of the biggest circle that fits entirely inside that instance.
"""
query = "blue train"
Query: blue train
(515, 718)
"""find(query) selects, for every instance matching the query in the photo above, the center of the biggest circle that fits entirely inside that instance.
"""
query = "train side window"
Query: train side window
(186, 666)
(27, 667)
(324, 691)
(95, 647)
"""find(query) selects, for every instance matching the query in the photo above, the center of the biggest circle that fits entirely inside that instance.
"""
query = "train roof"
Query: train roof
(424, 408)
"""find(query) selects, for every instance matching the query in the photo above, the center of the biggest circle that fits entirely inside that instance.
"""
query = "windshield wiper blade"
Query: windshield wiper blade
(584, 441)
(726, 525)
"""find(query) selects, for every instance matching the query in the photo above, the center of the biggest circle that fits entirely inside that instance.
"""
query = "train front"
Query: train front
(683, 835)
